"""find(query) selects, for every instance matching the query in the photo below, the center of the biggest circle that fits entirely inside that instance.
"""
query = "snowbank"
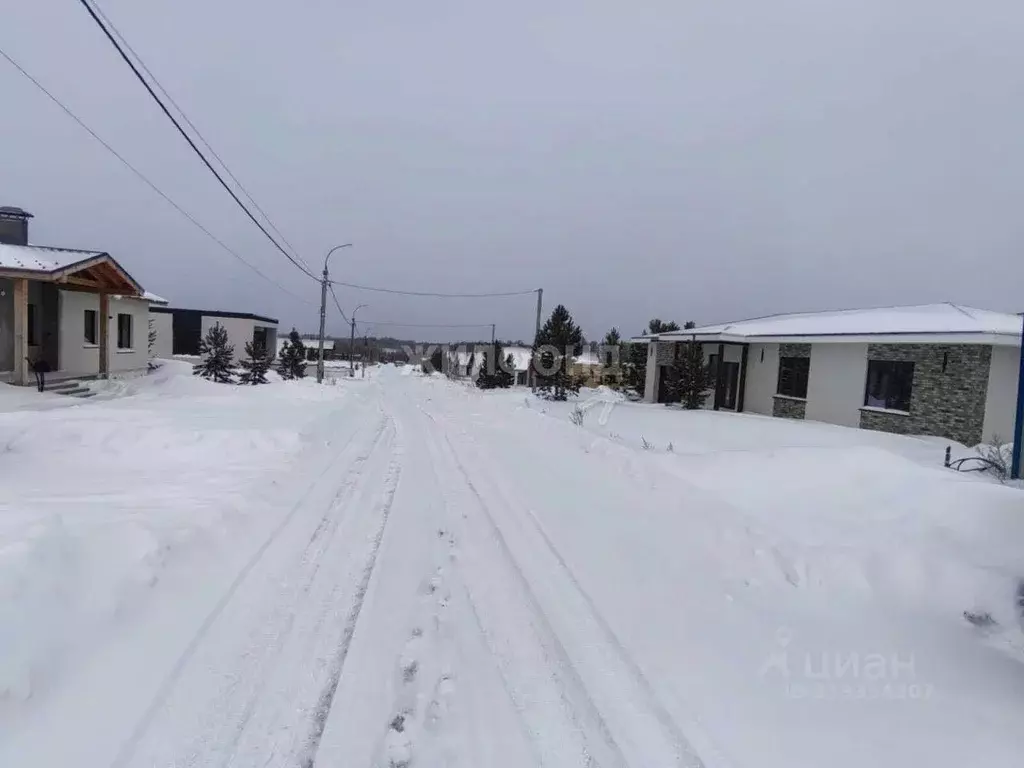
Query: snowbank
(100, 497)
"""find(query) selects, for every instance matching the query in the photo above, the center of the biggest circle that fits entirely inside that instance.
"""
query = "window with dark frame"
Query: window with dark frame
(91, 320)
(793, 375)
(31, 325)
(713, 366)
(889, 384)
(124, 331)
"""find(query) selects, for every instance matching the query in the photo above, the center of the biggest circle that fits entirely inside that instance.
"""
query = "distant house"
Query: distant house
(75, 313)
(459, 359)
(312, 347)
(178, 331)
(936, 369)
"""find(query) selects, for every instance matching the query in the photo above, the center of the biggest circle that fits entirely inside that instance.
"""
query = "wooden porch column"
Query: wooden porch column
(21, 367)
(104, 342)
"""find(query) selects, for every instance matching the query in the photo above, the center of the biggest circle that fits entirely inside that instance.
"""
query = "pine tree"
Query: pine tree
(495, 369)
(691, 378)
(611, 354)
(688, 325)
(256, 367)
(657, 326)
(634, 367)
(557, 342)
(291, 363)
(218, 356)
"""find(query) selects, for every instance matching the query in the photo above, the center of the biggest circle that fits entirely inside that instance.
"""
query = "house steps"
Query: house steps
(70, 387)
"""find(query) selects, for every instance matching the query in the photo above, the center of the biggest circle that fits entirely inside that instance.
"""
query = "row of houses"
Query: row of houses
(939, 369)
(79, 313)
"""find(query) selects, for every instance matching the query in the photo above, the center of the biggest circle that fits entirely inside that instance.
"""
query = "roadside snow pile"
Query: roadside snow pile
(821, 507)
(100, 497)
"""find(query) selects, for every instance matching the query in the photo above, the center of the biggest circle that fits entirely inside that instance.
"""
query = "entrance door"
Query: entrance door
(730, 385)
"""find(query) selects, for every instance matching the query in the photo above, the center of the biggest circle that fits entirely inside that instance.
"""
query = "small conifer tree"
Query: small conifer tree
(256, 366)
(218, 356)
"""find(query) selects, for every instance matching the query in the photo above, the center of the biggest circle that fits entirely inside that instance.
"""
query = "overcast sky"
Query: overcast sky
(687, 159)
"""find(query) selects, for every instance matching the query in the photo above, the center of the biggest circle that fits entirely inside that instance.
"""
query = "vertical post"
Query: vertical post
(351, 348)
(719, 376)
(743, 379)
(492, 334)
(533, 367)
(323, 319)
(21, 330)
(1018, 424)
(104, 333)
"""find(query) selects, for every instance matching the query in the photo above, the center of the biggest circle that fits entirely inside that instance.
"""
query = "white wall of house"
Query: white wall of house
(1001, 397)
(835, 385)
(239, 331)
(762, 378)
(79, 356)
(163, 324)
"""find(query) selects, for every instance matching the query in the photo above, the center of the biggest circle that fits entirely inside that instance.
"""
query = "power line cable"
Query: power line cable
(113, 41)
(142, 176)
(338, 304)
(197, 132)
(435, 295)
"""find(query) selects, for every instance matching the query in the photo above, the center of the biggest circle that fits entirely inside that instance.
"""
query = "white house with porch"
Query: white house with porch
(75, 313)
(938, 369)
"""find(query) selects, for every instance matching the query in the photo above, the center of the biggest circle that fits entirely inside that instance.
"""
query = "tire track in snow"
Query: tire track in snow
(563, 724)
(167, 686)
(644, 735)
(337, 665)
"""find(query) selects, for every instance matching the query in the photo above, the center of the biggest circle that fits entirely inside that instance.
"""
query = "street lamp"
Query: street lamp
(352, 343)
(323, 313)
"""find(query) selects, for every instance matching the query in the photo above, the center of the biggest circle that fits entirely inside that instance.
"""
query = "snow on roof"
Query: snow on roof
(36, 258)
(152, 298)
(945, 318)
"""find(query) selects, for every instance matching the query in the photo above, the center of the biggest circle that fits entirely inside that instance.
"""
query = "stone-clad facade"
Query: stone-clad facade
(948, 393)
(788, 407)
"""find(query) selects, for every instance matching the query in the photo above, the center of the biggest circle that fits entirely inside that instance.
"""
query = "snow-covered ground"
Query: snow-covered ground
(401, 570)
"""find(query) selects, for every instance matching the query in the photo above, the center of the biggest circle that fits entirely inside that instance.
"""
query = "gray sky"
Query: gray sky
(690, 159)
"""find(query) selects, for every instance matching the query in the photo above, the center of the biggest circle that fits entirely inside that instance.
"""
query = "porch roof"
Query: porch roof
(75, 269)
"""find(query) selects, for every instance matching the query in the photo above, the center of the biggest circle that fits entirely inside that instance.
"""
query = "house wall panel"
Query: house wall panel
(835, 384)
(762, 378)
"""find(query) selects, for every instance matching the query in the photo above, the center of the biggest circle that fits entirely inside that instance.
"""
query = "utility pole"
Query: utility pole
(492, 334)
(536, 333)
(352, 343)
(323, 313)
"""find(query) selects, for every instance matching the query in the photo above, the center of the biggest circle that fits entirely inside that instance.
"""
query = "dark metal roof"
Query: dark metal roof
(13, 210)
(215, 313)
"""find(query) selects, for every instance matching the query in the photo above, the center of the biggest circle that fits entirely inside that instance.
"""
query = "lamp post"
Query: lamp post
(352, 343)
(323, 313)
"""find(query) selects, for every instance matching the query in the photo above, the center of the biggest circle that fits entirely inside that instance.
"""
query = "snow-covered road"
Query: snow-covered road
(449, 578)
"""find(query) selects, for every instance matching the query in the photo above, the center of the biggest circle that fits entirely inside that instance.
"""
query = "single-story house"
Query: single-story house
(312, 347)
(178, 331)
(459, 359)
(935, 369)
(78, 312)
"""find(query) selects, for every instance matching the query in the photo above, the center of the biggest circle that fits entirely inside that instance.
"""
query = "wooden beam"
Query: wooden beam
(21, 368)
(80, 281)
(104, 342)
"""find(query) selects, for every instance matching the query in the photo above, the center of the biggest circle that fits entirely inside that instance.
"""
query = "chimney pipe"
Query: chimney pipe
(14, 225)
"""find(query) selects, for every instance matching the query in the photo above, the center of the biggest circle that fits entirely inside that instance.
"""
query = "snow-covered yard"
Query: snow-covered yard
(400, 570)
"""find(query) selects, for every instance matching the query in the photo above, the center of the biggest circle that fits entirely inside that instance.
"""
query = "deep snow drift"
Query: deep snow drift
(400, 570)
